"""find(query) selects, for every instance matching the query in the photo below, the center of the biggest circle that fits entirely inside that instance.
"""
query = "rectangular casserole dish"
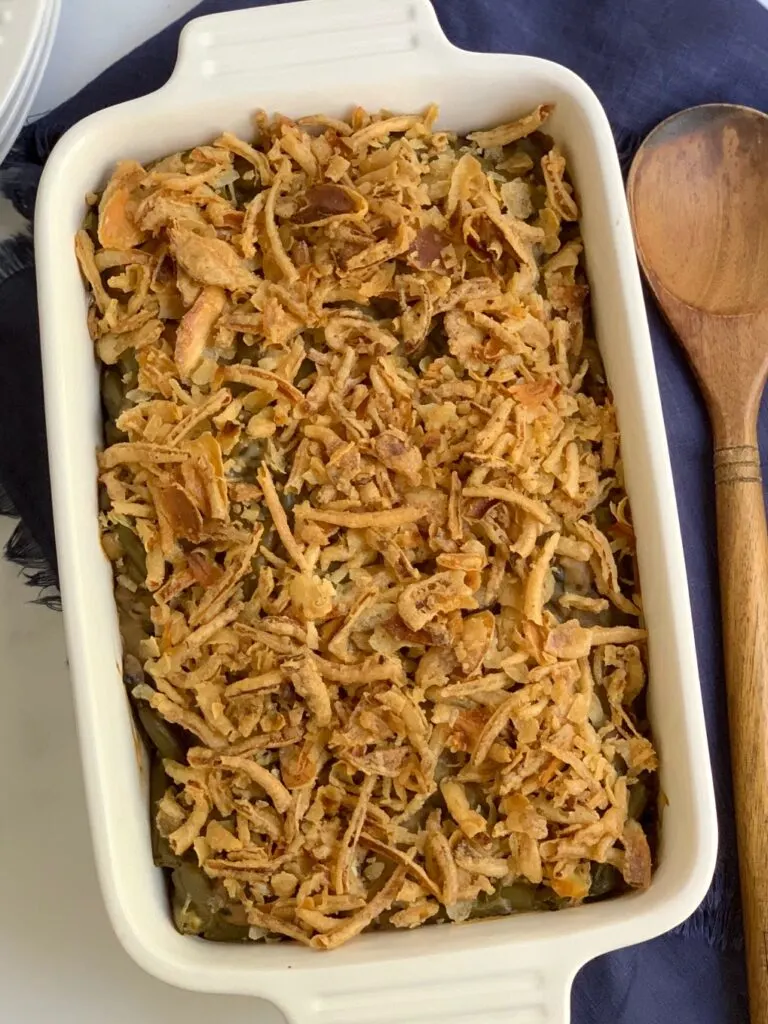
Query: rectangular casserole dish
(324, 56)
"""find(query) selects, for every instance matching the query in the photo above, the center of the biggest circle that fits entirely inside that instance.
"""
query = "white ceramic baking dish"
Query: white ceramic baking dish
(325, 55)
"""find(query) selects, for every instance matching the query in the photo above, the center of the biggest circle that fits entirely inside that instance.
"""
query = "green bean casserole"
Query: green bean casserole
(363, 497)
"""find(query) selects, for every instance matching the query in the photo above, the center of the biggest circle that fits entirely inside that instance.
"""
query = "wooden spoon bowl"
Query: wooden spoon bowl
(698, 197)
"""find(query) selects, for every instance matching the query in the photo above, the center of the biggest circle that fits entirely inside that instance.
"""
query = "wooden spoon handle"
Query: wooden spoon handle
(743, 558)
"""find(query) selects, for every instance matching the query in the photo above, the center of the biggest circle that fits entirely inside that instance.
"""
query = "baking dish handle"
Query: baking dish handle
(479, 988)
(303, 41)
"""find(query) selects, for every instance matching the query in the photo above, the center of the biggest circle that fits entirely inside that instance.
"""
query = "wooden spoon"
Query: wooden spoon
(698, 196)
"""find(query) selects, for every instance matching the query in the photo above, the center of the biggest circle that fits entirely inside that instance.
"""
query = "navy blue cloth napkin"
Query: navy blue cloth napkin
(645, 59)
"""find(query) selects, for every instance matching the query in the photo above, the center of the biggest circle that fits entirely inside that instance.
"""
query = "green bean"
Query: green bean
(306, 369)
(112, 435)
(220, 930)
(520, 895)
(510, 899)
(638, 800)
(134, 553)
(549, 900)
(128, 362)
(163, 736)
(105, 502)
(489, 906)
(162, 854)
(197, 886)
(605, 878)
(195, 901)
(158, 783)
(186, 916)
(112, 394)
(129, 373)
(603, 517)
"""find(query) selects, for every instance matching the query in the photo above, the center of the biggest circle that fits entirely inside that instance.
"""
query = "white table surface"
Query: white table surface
(59, 961)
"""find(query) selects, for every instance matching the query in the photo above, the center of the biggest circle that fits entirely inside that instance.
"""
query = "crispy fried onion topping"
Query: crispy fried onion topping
(363, 497)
